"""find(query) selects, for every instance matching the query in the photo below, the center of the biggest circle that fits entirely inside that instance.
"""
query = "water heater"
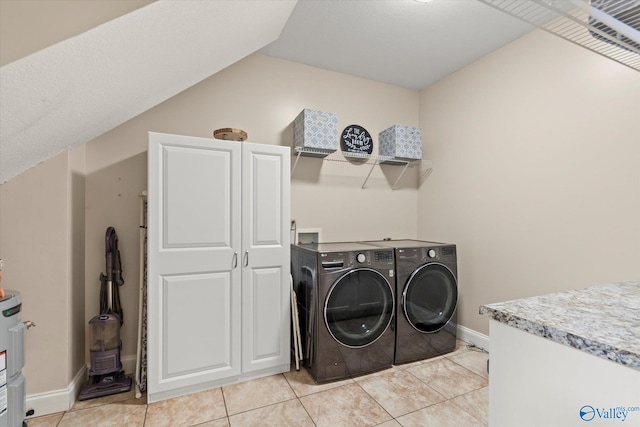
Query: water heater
(12, 385)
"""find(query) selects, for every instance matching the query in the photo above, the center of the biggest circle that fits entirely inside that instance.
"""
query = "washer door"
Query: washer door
(429, 297)
(359, 307)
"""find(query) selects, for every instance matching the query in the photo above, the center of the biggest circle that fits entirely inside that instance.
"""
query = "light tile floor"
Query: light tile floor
(450, 390)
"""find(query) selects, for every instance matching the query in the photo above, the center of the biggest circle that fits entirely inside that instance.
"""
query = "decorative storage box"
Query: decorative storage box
(317, 131)
(400, 144)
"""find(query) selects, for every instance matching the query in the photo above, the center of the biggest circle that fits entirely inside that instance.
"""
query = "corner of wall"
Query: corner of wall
(76, 239)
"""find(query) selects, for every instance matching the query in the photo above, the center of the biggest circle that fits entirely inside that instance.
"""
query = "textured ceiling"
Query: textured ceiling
(66, 81)
(27, 26)
(401, 42)
(79, 88)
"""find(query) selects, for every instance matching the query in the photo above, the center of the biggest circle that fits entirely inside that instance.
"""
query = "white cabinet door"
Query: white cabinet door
(194, 317)
(265, 257)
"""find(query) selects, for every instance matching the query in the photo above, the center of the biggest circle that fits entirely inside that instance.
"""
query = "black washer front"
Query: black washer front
(429, 297)
(359, 307)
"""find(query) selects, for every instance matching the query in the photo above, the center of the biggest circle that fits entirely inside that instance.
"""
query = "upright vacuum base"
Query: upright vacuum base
(105, 385)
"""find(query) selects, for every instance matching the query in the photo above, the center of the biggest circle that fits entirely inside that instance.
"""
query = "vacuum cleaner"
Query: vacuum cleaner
(106, 376)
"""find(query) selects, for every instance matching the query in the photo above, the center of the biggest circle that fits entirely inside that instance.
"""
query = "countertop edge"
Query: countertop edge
(598, 349)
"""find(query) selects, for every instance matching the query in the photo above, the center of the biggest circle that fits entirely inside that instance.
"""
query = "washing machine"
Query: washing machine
(346, 306)
(427, 297)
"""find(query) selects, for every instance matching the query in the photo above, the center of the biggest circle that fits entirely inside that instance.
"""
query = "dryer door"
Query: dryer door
(359, 307)
(429, 297)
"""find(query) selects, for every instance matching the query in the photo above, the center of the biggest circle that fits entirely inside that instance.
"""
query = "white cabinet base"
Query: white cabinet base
(534, 381)
(177, 392)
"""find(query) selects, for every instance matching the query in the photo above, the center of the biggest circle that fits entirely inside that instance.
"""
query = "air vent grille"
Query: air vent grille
(608, 27)
(623, 11)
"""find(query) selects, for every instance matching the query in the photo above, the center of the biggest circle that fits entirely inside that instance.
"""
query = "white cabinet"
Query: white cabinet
(218, 263)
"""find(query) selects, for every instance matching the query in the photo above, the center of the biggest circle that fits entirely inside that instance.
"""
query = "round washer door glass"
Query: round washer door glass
(429, 297)
(359, 307)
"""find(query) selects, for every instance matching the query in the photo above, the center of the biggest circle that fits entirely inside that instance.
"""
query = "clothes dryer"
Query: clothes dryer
(427, 297)
(346, 297)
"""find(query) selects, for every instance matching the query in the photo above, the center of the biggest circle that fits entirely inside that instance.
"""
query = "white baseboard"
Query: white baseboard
(51, 402)
(128, 364)
(472, 337)
(56, 401)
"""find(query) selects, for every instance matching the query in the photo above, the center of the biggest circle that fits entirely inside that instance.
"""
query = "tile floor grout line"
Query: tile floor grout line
(224, 401)
(427, 384)
(146, 411)
(289, 382)
(300, 402)
(471, 391)
(473, 372)
(464, 410)
(261, 407)
(305, 410)
(450, 400)
(375, 400)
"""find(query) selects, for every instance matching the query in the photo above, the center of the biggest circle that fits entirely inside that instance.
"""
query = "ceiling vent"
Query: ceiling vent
(608, 27)
(625, 12)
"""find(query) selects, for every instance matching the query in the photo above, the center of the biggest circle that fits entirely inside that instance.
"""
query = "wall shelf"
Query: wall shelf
(373, 159)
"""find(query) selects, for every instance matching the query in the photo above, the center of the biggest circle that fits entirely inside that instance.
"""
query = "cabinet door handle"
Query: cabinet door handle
(234, 260)
(246, 258)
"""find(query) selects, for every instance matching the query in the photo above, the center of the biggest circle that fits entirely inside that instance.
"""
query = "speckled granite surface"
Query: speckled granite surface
(601, 320)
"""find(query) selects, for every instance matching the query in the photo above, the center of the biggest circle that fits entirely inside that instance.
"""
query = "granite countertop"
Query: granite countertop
(601, 320)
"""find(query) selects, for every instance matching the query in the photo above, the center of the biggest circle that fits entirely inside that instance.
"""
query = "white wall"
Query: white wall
(76, 259)
(261, 95)
(537, 151)
(41, 241)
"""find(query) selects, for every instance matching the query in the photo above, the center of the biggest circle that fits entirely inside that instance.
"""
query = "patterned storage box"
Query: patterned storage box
(317, 131)
(399, 144)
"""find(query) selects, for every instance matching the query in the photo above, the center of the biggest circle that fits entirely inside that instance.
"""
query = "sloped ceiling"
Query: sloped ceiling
(401, 42)
(77, 89)
(27, 26)
(91, 65)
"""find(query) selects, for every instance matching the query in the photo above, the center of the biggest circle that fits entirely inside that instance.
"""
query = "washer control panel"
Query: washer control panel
(385, 257)
(372, 258)
(360, 258)
(438, 253)
(376, 258)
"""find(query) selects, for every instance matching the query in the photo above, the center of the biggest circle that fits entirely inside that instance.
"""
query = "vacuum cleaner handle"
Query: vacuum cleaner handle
(117, 270)
(110, 243)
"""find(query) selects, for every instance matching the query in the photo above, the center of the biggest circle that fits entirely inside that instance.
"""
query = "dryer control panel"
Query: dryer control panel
(376, 258)
(384, 257)
(359, 258)
(439, 253)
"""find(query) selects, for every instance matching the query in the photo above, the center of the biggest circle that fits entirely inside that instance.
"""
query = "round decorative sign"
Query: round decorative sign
(356, 139)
